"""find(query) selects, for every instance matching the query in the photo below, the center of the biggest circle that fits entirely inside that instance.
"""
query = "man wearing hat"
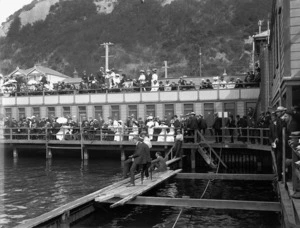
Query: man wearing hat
(148, 80)
(181, 83)
(192, 126)
(141, 156)
(100, 76)
(178, 143)
(280, 124)
(217, 126)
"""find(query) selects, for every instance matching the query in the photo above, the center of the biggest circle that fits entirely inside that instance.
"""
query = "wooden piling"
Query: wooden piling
(65, 220)
(123, 156)
(15, 152)
(85, 154)
(193, 159)
(48, 153)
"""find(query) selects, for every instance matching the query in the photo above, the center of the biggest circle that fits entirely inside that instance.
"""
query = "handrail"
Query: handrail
(203, 140)
(101, 134)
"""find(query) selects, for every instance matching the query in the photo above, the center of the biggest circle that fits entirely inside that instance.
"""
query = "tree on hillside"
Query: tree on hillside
(13, 32)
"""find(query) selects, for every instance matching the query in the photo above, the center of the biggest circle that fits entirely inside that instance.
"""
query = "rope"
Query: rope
(209, 181)
(177, 218)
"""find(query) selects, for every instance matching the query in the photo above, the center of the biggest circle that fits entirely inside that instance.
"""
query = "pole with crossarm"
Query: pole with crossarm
(106, 46)
(200, 63)
(166, 68)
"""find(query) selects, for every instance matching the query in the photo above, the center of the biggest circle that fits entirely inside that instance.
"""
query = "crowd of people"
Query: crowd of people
(109, 81)
(157, 129)
(177, 129)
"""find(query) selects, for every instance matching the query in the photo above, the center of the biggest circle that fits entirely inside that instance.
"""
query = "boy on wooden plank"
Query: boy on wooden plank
(159, 164)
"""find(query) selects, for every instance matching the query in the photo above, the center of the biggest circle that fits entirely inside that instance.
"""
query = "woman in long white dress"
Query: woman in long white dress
(117, 130)
(170, 135)
(60, 135)
(150, 126)
(135, 131)
(162, 135)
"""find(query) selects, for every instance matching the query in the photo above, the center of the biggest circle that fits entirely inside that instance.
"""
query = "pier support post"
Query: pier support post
(193, 159)
(85, 154)
(123, 157)
(180, 162)
(48, 153)
(15, 152)
(65, 220)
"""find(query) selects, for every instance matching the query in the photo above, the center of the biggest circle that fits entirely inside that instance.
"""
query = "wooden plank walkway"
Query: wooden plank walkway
(287, 206)
(205, 203)
(225, 176)
(129, 193)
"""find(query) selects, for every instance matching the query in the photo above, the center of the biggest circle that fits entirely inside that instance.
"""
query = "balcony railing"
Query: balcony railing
(129, 96)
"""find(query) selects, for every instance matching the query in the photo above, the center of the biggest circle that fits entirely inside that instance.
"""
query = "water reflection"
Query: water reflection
(31, 186)
(84, 166)
(15, 161)
(48, 166)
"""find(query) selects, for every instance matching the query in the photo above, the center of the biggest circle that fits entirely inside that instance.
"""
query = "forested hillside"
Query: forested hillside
(144, 35)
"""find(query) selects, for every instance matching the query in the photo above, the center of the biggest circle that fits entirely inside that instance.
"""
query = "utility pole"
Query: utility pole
(106, 46)
(166, 69)
(200, 63)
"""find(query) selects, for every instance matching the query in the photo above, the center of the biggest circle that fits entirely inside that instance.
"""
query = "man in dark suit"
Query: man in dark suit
(217, 126)
(192, 125)
(140, 157)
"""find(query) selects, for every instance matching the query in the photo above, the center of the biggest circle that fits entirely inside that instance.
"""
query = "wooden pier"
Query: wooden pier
(118, 194)
(127, 194)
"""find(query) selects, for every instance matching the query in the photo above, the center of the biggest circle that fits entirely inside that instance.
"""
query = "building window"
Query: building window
(36, 111)
(115, 112)
(98, 113)
(132, 111)
(209, 110)
(150, 110)
(67, 112)
(250, 107)
(8, 112)
(188, 108)
(51, 112)
(21, 113)
(229, 109)
(82, 113)
(169, 111)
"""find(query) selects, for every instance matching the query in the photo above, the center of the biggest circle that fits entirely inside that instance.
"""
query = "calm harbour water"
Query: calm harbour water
(31, 186)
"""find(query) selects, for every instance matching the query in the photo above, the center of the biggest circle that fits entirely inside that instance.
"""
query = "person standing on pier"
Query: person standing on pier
(231, 124)
(141, 156)
(280, 125)
(217, 126)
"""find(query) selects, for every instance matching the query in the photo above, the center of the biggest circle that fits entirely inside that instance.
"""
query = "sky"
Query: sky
(8, 7)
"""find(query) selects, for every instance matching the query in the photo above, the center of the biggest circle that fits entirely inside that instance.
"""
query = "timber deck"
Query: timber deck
(126, 194)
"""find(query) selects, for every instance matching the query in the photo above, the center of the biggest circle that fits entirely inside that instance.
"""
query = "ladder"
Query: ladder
(204, 153)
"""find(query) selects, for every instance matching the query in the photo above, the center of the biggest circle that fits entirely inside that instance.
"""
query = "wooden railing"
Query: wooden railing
(246, 135)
